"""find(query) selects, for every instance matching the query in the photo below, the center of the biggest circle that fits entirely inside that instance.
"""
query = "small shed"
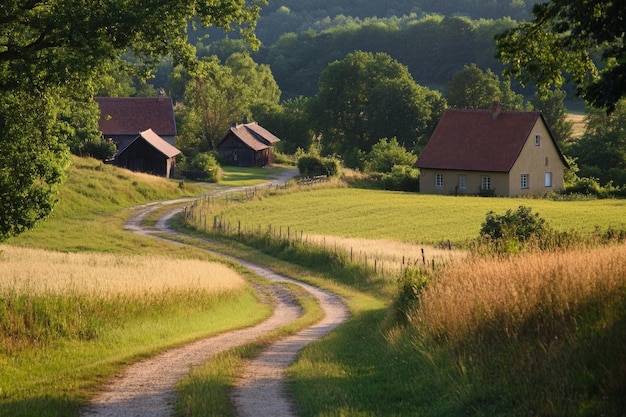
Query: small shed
(248, 144)
(148, 153)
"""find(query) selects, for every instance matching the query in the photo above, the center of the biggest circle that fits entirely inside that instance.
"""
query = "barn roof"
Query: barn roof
(478, 140)
(157, 142)
(129, 115)
(254, 136)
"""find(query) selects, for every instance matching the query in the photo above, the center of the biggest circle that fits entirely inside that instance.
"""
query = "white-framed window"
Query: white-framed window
(548, 179)
(485, 183)
(537, 140)
(524, 181)
(439, 180)
(462, 182)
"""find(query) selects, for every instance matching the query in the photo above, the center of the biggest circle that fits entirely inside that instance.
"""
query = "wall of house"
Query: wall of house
(142, 157)
(473, 182)
(235, 152)
(534, 162)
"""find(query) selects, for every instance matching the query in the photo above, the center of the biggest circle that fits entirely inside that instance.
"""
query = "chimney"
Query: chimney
(245, 120)
(495, 110)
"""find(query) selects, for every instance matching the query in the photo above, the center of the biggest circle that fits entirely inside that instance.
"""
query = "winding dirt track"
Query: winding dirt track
(146, 388)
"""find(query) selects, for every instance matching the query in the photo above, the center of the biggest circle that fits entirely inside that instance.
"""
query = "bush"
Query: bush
(96, 148)
(514, 228)
(386, 154)
(313, 165)
(207, 164)
(401, 178)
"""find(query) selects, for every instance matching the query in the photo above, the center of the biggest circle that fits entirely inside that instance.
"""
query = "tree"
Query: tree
(578, 41)
(289, 121)
(473, 88)
(52, 53)
(388, 153)
(218, 95)
(601, 151)
(553, 108)
(366, 97)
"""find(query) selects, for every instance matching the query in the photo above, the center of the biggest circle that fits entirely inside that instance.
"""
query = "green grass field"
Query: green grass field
(371, 366)
(409, 217)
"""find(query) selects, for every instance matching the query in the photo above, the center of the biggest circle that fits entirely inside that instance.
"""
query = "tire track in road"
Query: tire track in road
(146, 388)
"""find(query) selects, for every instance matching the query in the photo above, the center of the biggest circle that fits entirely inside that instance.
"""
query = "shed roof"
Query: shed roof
(129, 115)
(157, 142)
(478, 140)
(254, 136)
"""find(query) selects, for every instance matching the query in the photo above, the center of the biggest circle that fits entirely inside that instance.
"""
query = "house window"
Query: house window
(485, 183)
(537, 140)
(439, 180)
(547, 162)
(462, 182)
(548, 179)
(524, 181)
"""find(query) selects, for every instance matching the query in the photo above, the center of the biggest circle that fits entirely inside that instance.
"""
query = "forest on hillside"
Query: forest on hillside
(296, 16)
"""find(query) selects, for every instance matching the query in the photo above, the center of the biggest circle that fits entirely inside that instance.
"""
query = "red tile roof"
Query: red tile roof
(158, 143)
(254, 136)
(131, 115)
(473, 140)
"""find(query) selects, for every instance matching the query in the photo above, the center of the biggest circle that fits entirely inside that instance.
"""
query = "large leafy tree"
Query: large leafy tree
(577, 40)
(473, 88)
(217, 95)
(601, 151)
(52, 53)
(366, 97)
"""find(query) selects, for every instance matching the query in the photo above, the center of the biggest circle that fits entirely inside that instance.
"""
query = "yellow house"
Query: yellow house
(491, 152)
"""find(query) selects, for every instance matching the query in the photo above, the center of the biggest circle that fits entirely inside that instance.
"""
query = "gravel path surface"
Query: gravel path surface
(146, 388)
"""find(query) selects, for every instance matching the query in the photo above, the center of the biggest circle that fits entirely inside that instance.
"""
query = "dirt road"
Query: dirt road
(146, 388)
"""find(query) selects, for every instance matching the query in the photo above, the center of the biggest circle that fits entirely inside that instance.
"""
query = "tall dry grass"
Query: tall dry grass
(386, 255)
(41, 272)
(511, 293)
(535, 334)
(48, 296)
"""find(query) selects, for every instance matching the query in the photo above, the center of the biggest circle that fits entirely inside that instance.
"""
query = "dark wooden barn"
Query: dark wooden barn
(148, 153)
(248, 145)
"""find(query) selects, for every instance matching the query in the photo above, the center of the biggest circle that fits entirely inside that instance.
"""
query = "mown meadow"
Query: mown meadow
(539, 332)
(80, 297)
(533, 333)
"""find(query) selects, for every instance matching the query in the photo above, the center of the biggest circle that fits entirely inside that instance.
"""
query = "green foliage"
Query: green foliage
(427, 44)
(217, 95)
(601, 151)
(366, 97)
(51, 56)
(33, 159)
(405, 304)
(401, 178)
(207, 165)
(314, 165)
(96, 148)
(557, 46)
(289, 121)
(514, 228)
(388, 153)
(472, 88)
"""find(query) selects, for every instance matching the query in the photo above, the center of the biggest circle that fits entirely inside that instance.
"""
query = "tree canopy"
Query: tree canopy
(366, 97)
(52, 53)
(580, 41)
(217, 95)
